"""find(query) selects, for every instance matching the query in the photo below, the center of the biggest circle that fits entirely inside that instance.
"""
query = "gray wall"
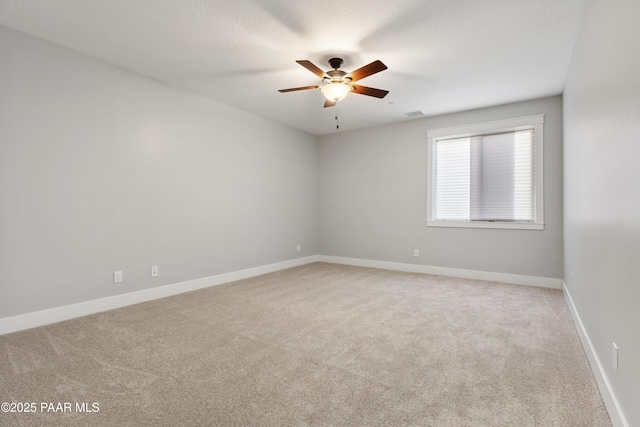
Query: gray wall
(102, 169)
(602, 189)
(372, 199)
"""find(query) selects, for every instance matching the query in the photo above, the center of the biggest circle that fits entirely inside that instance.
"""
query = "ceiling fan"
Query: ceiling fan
(336, 84)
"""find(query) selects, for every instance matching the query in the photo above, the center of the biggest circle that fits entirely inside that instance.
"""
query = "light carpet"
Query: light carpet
(321, 344)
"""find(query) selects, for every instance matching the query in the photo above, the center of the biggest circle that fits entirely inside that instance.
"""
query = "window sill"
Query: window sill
(488, 224)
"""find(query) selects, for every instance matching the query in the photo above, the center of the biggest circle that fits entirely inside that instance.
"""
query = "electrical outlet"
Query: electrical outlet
(416, 252)
(298, 248)
(154, 271)
(614, 357)
(117, 276)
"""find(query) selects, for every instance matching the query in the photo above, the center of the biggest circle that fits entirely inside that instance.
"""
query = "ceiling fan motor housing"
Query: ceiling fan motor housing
(337, 76)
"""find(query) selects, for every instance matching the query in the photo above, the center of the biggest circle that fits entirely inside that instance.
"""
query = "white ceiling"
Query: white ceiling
(443, 55)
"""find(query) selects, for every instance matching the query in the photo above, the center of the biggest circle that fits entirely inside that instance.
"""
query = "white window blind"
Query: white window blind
(487, 177)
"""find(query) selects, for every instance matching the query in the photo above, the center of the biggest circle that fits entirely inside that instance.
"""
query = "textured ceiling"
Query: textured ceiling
(443, 55)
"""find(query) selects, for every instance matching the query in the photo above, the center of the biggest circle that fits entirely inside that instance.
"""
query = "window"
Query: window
(487, 175)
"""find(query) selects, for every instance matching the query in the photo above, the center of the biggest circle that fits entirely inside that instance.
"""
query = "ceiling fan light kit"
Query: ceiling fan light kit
(336, 84)
(335, 91)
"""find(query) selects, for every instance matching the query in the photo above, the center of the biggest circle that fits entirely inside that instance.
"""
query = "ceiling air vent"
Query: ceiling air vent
(415, 114)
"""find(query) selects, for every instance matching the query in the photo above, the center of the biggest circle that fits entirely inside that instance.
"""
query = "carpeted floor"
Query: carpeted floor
(320, 344)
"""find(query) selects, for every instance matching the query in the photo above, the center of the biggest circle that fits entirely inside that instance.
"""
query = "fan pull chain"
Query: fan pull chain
(337, 122)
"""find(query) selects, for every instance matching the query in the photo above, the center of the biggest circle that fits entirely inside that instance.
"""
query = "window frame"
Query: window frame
(535, 122)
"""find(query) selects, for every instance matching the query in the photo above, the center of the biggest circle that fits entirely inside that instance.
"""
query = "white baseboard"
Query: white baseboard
(514, 279)
(609, 398)
(58, 314)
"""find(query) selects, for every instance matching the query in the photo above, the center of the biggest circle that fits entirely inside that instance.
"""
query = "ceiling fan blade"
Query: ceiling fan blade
(312, 67)
(329, 103)
(293, 89)
(370, 91)
(367, 70)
